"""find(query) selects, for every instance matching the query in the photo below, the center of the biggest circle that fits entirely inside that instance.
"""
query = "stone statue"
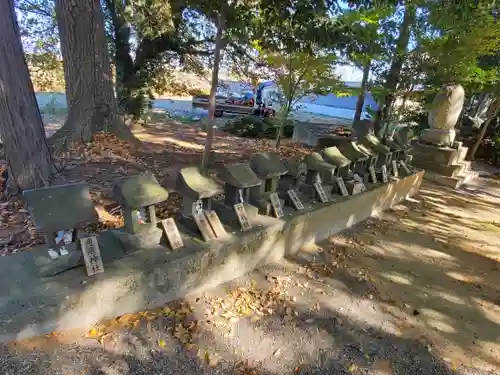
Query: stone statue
(443, 116)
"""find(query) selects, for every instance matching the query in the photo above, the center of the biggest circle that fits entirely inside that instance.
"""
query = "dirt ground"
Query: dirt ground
(414, 291)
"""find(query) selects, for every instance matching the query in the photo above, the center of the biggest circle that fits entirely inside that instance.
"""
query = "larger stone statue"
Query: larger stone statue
(443, 116)
(436, 150)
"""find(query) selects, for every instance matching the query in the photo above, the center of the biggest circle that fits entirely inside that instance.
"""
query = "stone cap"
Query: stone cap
(352, 151)
(403, 136)
(368, 152)
(393, 145)
(60, 207)
(191, 182)
(139, 191)
(373, 143)
(333, 140)
(316, 163)
(267, 165)
(333, 156)
(239, 175)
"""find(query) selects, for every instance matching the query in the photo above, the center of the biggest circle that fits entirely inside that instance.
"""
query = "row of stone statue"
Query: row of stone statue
(267, 185)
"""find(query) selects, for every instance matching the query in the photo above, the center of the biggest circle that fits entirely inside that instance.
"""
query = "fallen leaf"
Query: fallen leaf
(162, 343)
(353, 367)
(93, 332)
(297, 369)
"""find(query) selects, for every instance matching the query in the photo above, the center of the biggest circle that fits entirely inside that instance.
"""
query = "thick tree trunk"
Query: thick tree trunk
(124, 65)
(361, 97)
(21, 128)
(91, 101)
(492, 113)
(393, 77)
(213, 91)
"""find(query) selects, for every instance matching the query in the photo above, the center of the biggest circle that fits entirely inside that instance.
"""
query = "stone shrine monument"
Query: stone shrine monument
(60, 213)
(436, 150)
(269, 168)
(138, 195)
(197, 190)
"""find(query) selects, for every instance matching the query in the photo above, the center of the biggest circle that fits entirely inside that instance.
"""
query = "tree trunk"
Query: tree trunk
(21, 127)
(124, 65)
(213, 91)
(91, 101)
(283, 121)
(494, 108)
(361, 97)
(393, 77)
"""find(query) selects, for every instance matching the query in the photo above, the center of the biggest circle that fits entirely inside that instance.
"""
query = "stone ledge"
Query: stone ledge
(454, 182)
(451, 170)
(437, 155)
(32, 306)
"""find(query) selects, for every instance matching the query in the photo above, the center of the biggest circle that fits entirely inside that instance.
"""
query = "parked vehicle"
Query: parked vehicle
(259, 104)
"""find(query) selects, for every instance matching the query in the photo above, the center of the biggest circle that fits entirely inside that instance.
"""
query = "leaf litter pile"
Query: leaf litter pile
(179, 323)
(188, 323)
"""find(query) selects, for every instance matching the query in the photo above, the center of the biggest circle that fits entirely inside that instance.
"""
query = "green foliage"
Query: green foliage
(370, 33)
(460, 45)
(46, 71)
(300, 74)
(256, 127)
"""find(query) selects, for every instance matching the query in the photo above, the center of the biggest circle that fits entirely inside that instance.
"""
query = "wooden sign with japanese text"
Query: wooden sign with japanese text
(384, 174)
(373, 174)
(342, 187)
(395, 169)
(203, 226)
(172, 232)
(295, 199)
(214, 221)
(320, 191)
(91, 255)
(242, 215)
(276, 203)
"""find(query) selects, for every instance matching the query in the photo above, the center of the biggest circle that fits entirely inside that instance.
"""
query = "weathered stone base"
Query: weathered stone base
(443, 165)
(452, 170)
(433, 154)
(31, 305)
(454, 182)
(438, 136)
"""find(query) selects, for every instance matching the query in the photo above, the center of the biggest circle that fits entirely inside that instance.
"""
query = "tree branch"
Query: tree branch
(151, 49)
(30, 7)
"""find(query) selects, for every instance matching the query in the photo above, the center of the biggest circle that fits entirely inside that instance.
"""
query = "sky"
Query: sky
(349, 73)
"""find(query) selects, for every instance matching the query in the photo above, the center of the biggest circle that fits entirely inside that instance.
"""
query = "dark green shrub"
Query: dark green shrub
(257, 127)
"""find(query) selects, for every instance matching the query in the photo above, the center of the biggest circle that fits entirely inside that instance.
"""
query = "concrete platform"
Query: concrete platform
(32, 306)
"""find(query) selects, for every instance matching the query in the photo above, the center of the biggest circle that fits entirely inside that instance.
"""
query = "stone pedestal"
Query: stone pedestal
(444, 165)
(438, 137)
